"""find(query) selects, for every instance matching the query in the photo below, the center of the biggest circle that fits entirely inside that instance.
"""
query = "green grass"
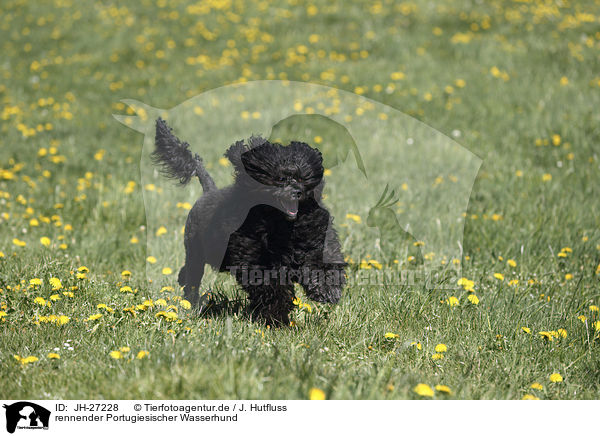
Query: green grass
(518, 81)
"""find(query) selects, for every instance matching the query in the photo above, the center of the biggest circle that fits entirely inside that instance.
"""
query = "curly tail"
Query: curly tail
(175, 159)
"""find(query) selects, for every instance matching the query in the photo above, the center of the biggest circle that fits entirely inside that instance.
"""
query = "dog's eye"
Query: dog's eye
(281, 179)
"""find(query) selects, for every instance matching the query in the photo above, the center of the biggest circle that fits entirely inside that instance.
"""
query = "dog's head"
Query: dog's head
(289, 174)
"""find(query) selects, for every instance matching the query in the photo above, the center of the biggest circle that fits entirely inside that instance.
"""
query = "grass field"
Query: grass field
(515, 82)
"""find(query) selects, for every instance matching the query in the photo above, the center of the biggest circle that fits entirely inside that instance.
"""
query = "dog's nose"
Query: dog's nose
(296, 194)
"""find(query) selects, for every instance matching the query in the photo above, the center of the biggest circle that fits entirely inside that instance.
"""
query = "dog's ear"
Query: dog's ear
(234, 154)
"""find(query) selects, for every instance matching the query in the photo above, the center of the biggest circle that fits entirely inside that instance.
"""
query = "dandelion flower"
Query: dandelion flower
(185, 304)
(142, 354)
(126, 273)
(29, 359)
(529, 397)
(443, 389)
(45, 241)
(151, 259)
(556, 378)
(161, 231)
(53, 356)
(473, 299)
(526, 330)
(437, 356)
(19, 243)
(499, 276)
(116, 354)
(124, 349)
(166, 271)
(562, 333)
(390, 335)
(536, 386)
(511, 263)
(417, 345)
(441, 348)
(35, 282)
(316, 394)
(354, 218)
(452, 301)
(55, 283)
(423, 390)
(594, 309)
(94, 317)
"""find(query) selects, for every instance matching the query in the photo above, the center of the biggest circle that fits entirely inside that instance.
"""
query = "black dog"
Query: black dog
(268, 229)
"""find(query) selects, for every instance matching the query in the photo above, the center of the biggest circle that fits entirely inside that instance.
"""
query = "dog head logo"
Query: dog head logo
(400, 187)
(26, 415)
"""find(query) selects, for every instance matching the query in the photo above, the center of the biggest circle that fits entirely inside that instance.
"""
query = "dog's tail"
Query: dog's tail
(175, 159)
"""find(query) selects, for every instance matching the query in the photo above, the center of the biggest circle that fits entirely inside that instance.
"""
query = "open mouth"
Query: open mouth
(289, 207)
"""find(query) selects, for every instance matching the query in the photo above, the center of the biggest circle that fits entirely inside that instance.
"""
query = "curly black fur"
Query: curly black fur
(268, 228)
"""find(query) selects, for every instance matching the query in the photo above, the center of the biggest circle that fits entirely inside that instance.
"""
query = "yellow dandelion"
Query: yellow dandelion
(166, 271)
(511, 263)
(499, 276)
(35, 282)
(316, 394)
(443, 389)
(437, 356)
(536, 386)
(94, 317)
(185, 304)
(441, 348)
(126, 273)
(124, 349)
(53, 356)
(354, 217)
(423, 390)
(556, 378)
(19, 243)
(546, 177)
(594, 308)
(417, 345)
(142, 354)
(151, 259)
(473, 299)
(452, 301)
(568, 276)
(45, 241)
(161, 231)
(390, 335)
(526, 330)
(562, 333)
(55, 283)
(116, 354)
(529, 397)
(29, 359)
